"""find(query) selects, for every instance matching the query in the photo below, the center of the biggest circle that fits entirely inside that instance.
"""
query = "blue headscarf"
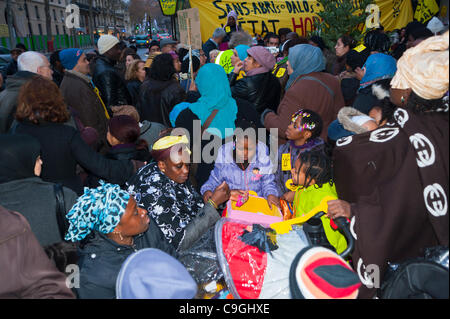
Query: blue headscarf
(98, 209)
(152, 274)
(213, 85)
(242, 51)
(378, 66)
(304, 59)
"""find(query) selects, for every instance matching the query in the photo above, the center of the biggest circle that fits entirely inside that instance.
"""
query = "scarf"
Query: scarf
(171, 205)
(98, 209)
(378, 66)
(304, 59)
(213, 85)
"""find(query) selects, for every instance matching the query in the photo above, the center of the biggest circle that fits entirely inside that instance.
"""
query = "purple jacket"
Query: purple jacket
(258, 176)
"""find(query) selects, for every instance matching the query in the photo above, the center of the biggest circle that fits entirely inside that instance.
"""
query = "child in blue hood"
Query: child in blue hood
(244, 164)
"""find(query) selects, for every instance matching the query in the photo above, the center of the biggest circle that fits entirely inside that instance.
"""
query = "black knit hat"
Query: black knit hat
(319, 273)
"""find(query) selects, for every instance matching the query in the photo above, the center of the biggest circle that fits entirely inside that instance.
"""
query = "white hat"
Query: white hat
(106, 42)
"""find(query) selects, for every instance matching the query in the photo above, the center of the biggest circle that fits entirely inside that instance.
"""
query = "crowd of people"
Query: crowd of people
(92, 172)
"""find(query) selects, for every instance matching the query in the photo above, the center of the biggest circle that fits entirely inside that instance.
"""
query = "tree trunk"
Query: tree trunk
(10, 18)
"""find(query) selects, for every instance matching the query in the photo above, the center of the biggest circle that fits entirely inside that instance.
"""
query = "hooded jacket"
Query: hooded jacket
(8, 98)
(111, 85)
(26, 271)
(157, 98)
(258, 176)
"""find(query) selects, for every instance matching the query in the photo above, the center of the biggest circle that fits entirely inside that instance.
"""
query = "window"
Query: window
(40, 29)
(57, 29)
(54, 14)
(64, 29)
(37, 12)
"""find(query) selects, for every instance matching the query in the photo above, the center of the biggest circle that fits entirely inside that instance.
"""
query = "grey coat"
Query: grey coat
(36, 201)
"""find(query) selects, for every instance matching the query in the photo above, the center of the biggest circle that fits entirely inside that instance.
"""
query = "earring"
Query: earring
(402, 99)
(119, 233)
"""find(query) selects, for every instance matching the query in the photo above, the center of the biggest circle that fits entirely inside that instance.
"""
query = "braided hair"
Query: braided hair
(317, 166)
(310, 120)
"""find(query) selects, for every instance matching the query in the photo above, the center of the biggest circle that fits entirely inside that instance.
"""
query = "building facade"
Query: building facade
(29, 18)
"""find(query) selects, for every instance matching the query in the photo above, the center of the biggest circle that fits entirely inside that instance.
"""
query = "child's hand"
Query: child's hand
(206, 196)
(288, 196)
(221, 193)
(273, 200)
(338, 208)
(235, 193)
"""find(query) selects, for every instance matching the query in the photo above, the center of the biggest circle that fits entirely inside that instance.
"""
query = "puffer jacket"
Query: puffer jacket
(263, 90)
(26, 271)
(257, 177)
(112, 87)
(101, 259)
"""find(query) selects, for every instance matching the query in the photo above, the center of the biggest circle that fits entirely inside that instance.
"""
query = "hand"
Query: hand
(206, 196)
(338, 208)
(238, 67)
(360, 73)
(221, 194)
(288, 196)
(193, 86)
(273, 200)
(236, 193)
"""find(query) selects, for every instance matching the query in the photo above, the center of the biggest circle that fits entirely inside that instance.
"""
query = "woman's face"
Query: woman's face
(129, 60)
(213, 57)
(234, 58)
(177, 64)
(202, 58)
(141, 72)
(250, 64)
(135, 219)
(245, 150)
(38, 166)
(340, 48)
(176, 167)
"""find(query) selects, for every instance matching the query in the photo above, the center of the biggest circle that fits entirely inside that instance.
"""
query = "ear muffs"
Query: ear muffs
(319, 273)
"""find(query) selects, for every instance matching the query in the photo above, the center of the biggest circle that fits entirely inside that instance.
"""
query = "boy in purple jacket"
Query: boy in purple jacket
(244, 164)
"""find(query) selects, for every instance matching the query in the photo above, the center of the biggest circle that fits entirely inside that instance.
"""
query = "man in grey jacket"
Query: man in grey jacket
(29, 64)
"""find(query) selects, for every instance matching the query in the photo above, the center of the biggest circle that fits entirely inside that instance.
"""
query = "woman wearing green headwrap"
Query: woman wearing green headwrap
(109, 227)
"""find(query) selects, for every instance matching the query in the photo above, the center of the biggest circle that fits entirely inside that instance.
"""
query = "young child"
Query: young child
(244, 164)
(312, 175)
(303, 135)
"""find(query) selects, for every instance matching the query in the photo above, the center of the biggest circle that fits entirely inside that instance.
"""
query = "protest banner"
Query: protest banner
(189, 26)
(168, 7)
(269, 16)
(425, 10)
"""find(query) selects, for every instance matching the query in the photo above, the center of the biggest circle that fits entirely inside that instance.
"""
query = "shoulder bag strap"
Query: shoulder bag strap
(63, 225)
(209, 120)
(317, 80)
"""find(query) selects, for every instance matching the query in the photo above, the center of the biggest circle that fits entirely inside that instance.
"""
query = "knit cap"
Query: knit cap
(106, 42)
(69, 57)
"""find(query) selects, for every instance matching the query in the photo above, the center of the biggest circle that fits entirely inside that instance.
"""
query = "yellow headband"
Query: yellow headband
(169, 141)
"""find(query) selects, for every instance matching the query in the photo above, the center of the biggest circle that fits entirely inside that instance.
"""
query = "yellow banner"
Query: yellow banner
(425, 10)
(269, 16)
(168, 7)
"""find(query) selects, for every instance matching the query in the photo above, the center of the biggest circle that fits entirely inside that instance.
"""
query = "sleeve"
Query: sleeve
(269, 185)
(205, 219)
(38, 277)
(214, 180)
(239, 89)
(282, 118)
(86, 109)
(114, 171)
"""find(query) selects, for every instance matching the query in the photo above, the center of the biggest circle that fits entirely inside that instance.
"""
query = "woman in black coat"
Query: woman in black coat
(160, 92)
(134, 76)
(42, 113)
(22, 190)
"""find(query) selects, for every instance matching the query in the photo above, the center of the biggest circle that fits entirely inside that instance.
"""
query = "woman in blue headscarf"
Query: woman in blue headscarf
(378, 67)
(109, 227)
(308, 87)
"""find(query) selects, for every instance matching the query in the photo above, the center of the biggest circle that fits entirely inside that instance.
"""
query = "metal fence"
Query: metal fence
(39, 42)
